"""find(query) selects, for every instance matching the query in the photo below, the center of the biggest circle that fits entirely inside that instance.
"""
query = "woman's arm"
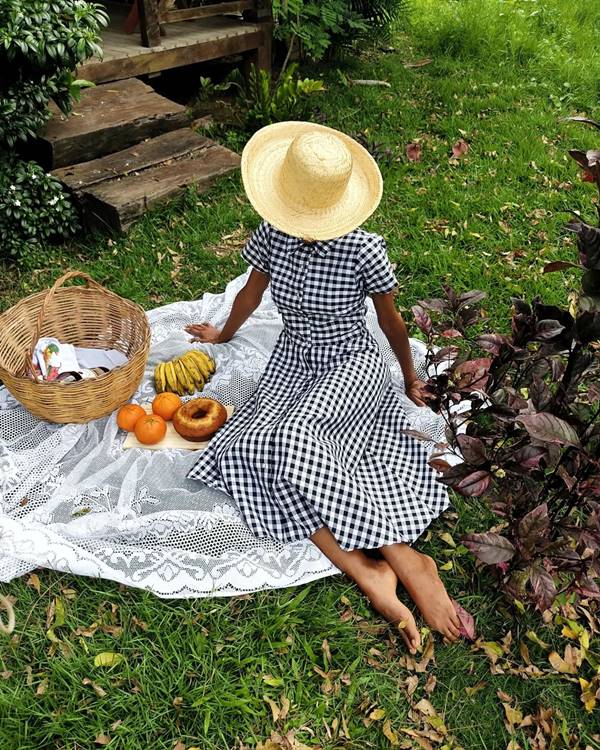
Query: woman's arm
(392, 324)
(244, 304)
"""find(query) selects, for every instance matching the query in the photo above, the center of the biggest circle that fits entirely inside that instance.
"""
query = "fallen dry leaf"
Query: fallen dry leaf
(460, 148)
(102, 739)
(467, 623)
(413, 151)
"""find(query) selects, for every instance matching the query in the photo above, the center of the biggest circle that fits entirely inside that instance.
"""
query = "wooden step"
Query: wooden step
(108, 118)
(115, 190)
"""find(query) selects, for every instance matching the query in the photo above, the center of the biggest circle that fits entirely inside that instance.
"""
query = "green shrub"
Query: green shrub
(324, 27)
(34, 208)
(41, 44)
(263, 100)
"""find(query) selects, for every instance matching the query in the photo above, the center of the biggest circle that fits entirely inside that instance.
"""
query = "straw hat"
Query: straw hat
(310, 181)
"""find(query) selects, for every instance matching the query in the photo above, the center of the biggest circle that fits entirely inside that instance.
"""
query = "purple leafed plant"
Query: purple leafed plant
(529, 433)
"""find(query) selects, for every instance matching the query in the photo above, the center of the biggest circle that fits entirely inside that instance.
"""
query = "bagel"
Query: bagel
(199, 418)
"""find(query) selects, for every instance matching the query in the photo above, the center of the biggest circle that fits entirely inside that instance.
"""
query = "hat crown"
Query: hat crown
(316, 169)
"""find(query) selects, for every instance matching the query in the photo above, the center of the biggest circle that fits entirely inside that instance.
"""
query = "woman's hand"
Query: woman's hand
(415, 390)
(204, 332)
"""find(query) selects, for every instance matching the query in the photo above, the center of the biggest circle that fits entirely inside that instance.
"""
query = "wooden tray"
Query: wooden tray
(171, 440)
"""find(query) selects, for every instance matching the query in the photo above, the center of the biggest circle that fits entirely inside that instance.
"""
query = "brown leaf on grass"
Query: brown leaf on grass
(410, 684)
(288, 741)
(179, 745)
(472, 689)
(413, 151)
(42, 687)
(430, 684)
(102, 739)
(389, 733)
(427, 656)
(34, 582)
(570, 663)
(326, 651)
(460, 148)
(100, 692)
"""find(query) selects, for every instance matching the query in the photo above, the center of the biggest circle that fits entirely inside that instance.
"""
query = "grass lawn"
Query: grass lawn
(502, 75)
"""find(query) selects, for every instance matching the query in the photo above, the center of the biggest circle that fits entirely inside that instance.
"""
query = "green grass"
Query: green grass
(503, 75)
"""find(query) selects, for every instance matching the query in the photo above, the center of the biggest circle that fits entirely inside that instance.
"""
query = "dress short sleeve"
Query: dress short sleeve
(375, 268)
(257, 250)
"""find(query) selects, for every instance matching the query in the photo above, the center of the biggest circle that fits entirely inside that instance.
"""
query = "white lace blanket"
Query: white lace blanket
(73, 500)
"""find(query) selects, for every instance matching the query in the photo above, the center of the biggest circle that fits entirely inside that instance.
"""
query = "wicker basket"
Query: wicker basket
(88, 316)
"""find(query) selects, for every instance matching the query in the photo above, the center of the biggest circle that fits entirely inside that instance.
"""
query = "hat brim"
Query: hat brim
(262, 159)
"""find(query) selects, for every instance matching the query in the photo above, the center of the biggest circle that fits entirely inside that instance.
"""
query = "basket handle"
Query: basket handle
(46, 304)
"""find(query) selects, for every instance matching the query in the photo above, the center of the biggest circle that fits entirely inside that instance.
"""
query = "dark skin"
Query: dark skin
(377, 579)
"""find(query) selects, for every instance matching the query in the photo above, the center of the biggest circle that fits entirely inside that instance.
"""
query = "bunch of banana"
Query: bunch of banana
(186, 374)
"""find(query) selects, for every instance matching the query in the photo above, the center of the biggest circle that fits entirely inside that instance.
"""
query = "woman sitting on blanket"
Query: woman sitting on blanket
(320, 450)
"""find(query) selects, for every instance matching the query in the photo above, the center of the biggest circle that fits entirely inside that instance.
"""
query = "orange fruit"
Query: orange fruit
(150, 429)
(166, 404)
(128, 415)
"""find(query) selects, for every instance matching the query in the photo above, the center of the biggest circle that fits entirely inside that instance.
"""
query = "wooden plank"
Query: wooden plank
(189, 14)
(162, 58)
(108, 118)
(149, 24)
(150, 153)
(115, 204)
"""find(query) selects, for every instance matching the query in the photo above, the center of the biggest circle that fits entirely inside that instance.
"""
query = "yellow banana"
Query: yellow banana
(159, 383)
(186, 382)
(209, 361)
(171, 377)
(201, 362)
(189, 364)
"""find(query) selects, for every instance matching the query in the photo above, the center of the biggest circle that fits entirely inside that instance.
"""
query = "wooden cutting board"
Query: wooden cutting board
(171, 440)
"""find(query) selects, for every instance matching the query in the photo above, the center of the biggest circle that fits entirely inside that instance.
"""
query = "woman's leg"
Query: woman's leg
(419, 576)
(377, 581)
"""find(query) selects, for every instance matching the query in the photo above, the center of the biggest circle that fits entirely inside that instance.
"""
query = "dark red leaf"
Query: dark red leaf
(437, 305)
(533, 526)
(472, 449)
(492, 342)
(467, 623)
(558, 265)
(473, 373)
(529, 456)
(474, 484)
(548, 329)
(489, 547)
(542, 584)
(413, 151)
(460, 148)
(590, 487)
(422, 319)
(470, 298)
(451, 333)
(549, 429)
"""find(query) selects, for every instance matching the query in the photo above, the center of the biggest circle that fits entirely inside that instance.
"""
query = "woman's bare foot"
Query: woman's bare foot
(378, 582)
(418, 574)
(376, 579)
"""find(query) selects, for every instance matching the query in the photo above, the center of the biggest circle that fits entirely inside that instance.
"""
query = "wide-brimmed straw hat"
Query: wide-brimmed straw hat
(310, 181)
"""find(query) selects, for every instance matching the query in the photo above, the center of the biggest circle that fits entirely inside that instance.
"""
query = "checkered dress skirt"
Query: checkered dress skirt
(321, 442)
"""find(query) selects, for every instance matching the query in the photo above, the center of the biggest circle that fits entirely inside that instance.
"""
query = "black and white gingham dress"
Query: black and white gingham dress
(320, 442)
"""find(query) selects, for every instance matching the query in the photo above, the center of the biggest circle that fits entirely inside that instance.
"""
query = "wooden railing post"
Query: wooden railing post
(149, 22)
(262, 13)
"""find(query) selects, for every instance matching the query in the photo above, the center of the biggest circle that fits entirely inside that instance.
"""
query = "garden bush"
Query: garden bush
(322, 28)
(41, 44)
(527, 437)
